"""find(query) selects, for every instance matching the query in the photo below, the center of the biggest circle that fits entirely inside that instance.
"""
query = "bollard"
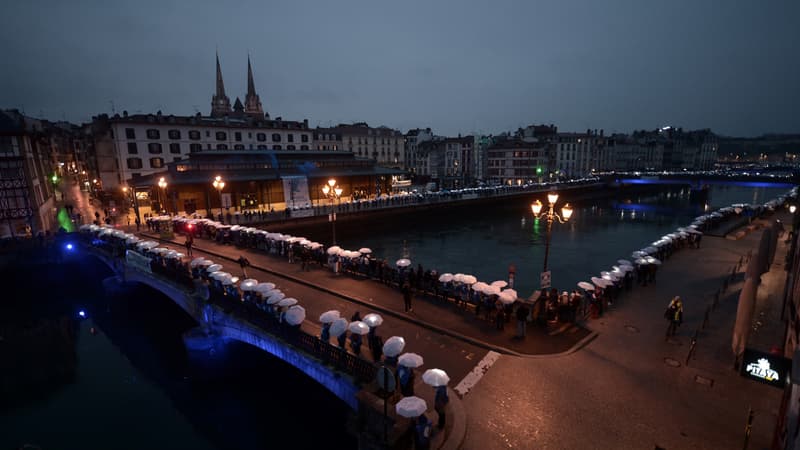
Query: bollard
(748, 426)
(691, 347)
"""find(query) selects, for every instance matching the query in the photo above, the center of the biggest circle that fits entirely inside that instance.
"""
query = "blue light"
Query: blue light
(69, 246)
(82, 313)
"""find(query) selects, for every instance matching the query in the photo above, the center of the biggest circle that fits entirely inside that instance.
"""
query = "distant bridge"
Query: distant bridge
(699, 181)
(334, 368)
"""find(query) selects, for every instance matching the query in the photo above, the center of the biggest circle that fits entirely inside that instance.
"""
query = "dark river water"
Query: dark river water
(131, 385)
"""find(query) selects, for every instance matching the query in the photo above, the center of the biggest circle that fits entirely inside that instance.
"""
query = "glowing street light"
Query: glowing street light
(219, 185)
(550, 215)
(333, 192)
(162, 183)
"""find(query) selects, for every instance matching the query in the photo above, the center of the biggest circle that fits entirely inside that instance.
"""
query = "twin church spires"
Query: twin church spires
(221, 104)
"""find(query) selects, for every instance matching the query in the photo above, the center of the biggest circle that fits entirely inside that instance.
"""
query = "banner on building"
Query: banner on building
(295, 192)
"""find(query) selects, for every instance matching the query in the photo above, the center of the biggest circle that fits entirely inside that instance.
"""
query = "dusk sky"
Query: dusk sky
(457, 67)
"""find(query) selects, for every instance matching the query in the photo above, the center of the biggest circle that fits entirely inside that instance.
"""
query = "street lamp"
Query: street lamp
(333, 192)
(162, 183)
(133, 199)
(550, 215)
(218, 185)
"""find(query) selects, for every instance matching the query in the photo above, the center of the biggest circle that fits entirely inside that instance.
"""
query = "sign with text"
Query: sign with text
(766, 368)
(544, 279)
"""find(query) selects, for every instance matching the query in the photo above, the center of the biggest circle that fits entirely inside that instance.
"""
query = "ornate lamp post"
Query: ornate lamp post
(550, 215)
(333, 192)
(162, 183)
(132, 193)
(218, 185)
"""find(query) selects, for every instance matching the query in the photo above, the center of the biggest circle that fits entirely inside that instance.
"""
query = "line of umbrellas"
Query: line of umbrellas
(645, 256)
(414, 406)
(360, 253)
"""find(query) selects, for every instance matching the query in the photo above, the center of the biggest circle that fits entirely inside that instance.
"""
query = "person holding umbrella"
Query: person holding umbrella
(422, 433)
(674, 314)
(438, 379)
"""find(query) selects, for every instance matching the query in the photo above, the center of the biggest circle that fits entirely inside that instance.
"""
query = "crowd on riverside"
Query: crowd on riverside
(269, 306)
(495, 302)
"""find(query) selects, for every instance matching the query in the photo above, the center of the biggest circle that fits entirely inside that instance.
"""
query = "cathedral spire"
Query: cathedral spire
(220, 103)
(252, 104)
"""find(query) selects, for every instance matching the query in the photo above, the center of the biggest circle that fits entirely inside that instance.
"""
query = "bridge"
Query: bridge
(219, 319)
(700, 180)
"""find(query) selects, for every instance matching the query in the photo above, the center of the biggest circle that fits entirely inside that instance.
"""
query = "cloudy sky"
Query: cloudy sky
(456, 66)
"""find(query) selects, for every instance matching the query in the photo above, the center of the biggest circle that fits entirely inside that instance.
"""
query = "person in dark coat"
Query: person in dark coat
(440, 402)
(405, 376)
(407, 296)
(522, 319)
(325, 335)
(355, 343)
(376, 347)
(243, 263)
(342, 339)
(422, 433)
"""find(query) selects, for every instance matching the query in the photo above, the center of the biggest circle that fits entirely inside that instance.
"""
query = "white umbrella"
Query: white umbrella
(358, 327)
(411, 360)
(469, 279)
(435, 377)
(403, 262)
(334, 250)
(195, 262)
(459, 277)
(491, 290)
(372, 320)
(480, 286)
(446, 277)
(229, 280)
(295, 315)
(329, 316)
(599, 282)
(365, 251)
(274, 297)
(585, 285)
(637, 254)
(393, 346)
(248, 284)
(338, 327)
(214, 268)
(263, 288)
(411, 407)
(507, 297)
(500, 283)
(624, 262)
(289, 301)
(218, 275)
(652, 260)
(641, 261)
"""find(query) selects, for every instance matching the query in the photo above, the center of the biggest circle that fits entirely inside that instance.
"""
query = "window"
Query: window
(194, 135)
(290, 147)
(238, 136)
(174, 134)
(175, 148)
(262, 147)
(238, 147)
(261, 137)
(176, 159)
(276, 137)
(303, 147)
(152, 133)
(276, 147)
(249, 135)
(290, 138)
(222, 146)
(132, 149)
(154, 148)
(130, 133)
(304, 138)
(221, 136)
(156, 163)
(194, 148)
(134, 163)
(208, 133)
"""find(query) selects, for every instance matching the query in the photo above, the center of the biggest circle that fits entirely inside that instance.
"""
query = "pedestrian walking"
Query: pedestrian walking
(440, 402)
(422, 433)
(355, 343)
(243, 263)
(189, 242)
(138, 224)
(522, 319)
(674, 314)
(407, 296)
(500, 317)
(406, 377)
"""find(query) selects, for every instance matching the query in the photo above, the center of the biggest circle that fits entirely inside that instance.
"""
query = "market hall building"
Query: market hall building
(262, 180)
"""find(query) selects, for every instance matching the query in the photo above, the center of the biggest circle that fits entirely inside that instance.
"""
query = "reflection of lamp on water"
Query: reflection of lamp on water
(333, 192)
(550, 215)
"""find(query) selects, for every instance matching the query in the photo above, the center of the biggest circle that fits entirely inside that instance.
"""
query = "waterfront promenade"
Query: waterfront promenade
(621, 392)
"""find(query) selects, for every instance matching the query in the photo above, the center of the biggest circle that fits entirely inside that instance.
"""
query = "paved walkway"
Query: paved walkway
(620, 391)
